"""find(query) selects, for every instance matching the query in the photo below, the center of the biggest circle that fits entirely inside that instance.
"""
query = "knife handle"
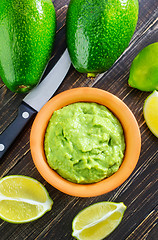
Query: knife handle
(25, 113)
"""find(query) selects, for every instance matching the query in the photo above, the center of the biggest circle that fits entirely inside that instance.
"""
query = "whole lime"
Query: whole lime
(144, 69)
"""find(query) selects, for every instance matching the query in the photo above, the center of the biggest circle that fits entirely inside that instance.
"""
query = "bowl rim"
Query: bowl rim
(131, 133)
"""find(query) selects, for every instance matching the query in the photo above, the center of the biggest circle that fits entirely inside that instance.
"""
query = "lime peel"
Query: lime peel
(120, 207)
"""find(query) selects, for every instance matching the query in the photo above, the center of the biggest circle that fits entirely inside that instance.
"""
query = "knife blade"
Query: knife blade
(34, 101)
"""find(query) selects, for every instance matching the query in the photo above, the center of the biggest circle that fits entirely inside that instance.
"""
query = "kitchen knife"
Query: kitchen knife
(34, 101)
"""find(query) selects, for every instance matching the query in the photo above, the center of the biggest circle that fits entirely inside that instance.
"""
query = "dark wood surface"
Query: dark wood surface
(139, 192)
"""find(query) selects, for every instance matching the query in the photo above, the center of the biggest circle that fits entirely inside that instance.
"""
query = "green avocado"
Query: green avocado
(98, 31)
(27, 32)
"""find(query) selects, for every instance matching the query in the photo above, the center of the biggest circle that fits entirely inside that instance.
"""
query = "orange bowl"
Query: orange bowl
(131, 133)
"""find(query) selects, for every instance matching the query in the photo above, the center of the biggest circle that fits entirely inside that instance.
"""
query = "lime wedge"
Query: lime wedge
(23, 199)
(151, 112)
(97, 221)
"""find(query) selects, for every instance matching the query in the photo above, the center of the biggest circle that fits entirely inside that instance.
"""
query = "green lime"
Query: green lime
(144, 69)
(97, 221)
(23, 199)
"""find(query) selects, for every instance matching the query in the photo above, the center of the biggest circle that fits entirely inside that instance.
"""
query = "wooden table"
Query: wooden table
(138, 192)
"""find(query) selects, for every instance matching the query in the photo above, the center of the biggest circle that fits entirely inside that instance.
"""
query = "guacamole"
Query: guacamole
(84, 142)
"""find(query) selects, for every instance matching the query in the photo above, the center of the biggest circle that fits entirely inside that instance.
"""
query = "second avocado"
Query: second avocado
(98, 31)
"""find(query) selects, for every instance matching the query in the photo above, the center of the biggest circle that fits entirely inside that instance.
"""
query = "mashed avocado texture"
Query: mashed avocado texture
(84, 142)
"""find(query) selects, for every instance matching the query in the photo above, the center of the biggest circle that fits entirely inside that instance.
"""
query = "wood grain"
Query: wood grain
(138, 192)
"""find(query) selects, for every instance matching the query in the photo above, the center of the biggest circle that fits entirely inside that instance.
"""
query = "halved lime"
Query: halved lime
(151, 112)
(23, 199)
(97, 221)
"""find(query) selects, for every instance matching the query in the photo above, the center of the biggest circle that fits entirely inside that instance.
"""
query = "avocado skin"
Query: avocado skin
(98, 31)
(27, 32)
